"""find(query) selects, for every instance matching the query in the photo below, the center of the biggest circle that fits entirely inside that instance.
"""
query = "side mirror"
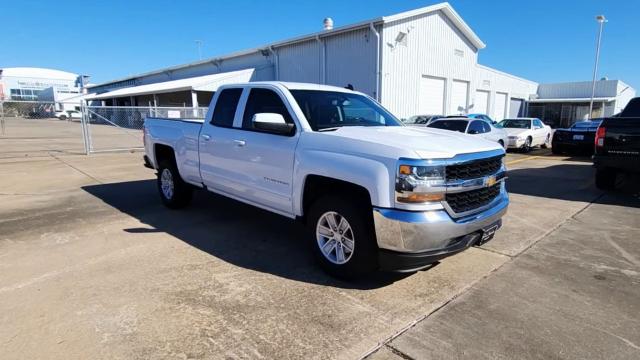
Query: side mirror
(271, 122)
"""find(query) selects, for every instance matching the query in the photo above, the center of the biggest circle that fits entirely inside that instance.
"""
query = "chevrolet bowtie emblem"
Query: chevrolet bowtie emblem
(490, 181)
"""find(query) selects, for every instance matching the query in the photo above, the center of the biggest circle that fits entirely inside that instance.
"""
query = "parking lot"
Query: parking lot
(92, 266)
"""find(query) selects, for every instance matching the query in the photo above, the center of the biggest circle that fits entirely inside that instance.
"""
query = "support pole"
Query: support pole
(194, 103)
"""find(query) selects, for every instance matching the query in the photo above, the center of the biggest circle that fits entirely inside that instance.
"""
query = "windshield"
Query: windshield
(420, 119)
(516, 123)
(333, 109)
(453, 125)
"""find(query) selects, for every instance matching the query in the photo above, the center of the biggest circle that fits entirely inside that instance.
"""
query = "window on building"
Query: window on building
(225, 109)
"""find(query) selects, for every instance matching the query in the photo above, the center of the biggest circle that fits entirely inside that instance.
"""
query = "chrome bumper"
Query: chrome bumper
(515, 143)
(413, 232)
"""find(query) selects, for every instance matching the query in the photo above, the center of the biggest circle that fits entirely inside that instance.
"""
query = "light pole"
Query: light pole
(601, 20)
(199, 43)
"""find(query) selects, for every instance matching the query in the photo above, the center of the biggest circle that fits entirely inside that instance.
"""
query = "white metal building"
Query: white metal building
(420, 61)
(27, 83)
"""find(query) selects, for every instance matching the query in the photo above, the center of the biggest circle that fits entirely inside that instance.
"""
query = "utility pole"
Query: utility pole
(601, 20)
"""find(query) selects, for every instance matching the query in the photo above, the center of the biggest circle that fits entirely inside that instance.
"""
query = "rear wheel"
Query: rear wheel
(174, 192)
(546, 142)
(343, 239)
(606, 179)
(62, 117)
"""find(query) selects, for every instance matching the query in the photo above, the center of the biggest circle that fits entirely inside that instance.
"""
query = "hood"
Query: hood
(515, 131)
(427, 143)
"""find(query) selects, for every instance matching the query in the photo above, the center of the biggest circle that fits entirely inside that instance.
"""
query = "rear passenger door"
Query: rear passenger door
(539, 132)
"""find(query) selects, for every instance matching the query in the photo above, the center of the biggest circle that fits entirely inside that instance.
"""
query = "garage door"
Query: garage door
(499, 106)
(481, 105)
(459, 99)
(516, 108)
(431, 100)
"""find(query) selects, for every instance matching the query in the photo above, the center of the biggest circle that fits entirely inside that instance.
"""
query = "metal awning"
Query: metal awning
(572, 100)
(208, 83)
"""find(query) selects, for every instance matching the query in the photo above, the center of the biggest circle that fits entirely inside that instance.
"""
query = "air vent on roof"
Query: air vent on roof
(327, 23)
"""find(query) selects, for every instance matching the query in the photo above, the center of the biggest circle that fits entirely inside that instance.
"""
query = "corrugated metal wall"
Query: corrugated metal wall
(494, 82)
(351, 60)
(582, 89)
(300, 62)
(432, 47)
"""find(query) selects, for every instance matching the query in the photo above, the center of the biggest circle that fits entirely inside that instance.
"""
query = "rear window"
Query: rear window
(453, 125)
(225, 109)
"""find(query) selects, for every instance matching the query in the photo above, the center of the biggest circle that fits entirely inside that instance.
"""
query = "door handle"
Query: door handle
(206, 137)
(239, 142)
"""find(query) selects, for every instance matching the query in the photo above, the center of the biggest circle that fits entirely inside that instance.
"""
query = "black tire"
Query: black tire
(606, 179)
(556, 149)
(527, 145)
(546, 143)
(63, 117)
(364, 257)
(182, 192)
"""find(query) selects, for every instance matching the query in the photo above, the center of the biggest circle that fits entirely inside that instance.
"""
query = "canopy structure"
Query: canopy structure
(209, 83)
(572, 100)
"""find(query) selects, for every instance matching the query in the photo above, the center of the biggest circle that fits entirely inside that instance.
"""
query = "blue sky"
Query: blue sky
(544, 41)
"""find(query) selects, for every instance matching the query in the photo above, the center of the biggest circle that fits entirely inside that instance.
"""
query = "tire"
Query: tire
(527, 145)
(606, 179)
(63, 117)
(556, 149)
(546, 143)
(174, 192)
(363, 257)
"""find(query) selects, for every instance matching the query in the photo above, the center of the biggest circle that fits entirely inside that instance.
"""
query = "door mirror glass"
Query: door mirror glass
(271, 122)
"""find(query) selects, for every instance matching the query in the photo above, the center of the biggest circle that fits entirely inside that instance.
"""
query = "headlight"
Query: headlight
(420, 184)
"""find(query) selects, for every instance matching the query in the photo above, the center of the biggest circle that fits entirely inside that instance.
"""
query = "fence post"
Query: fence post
(2, 116)
(84, 123)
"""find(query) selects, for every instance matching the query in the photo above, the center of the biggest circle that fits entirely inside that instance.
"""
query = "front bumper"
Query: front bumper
(409, 240)
(515, 143)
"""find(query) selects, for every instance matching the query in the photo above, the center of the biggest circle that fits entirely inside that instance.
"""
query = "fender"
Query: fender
(371, 174)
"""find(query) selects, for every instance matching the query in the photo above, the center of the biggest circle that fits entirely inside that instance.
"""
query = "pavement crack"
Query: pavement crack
(398, 352)
(75, 168)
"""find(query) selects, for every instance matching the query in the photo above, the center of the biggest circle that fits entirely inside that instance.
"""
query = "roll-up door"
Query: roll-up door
(431, 100)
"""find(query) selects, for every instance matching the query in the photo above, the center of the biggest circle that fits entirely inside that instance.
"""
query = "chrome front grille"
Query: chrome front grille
(462, 202)
(474, 169)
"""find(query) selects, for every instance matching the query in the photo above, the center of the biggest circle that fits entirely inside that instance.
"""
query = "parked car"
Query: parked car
(526, 133)
(577, 138)
(68, 114)
(374, 193)
(617, 145)
(484, 117)
(480, 128)
(421, 119)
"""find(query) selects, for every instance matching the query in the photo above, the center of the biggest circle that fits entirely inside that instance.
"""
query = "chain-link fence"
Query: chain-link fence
(116, 128)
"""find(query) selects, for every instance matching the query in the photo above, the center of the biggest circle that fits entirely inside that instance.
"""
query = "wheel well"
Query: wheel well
(164, 153)
(315, 186)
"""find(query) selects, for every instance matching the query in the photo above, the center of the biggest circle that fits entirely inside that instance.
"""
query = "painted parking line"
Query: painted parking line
(521, 160)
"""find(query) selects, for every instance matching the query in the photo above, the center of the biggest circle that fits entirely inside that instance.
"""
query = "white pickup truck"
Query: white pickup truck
(375, 194)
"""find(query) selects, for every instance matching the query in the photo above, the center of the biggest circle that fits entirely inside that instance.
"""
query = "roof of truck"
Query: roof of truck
(297, 86)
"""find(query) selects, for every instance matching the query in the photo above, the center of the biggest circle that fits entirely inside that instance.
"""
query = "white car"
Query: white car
(68, 114)
(476, 127)
(374, 193)
(526, 133)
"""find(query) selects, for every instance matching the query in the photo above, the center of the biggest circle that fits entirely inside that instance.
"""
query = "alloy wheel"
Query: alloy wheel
(335, 237)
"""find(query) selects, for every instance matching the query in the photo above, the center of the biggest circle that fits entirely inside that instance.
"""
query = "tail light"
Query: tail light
(600, 134)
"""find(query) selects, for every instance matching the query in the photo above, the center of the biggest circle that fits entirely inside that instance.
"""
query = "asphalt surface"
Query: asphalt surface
(92, 266)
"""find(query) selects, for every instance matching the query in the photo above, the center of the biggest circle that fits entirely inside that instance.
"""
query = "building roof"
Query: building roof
(445, 7)
(41, 73)
(198, 83)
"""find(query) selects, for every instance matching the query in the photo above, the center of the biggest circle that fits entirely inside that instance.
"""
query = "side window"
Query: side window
(537, 123)
(263, 101)
(486, 127)
(476, 127)
(225, 109)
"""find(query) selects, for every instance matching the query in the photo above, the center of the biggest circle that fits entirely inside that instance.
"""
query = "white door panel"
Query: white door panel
(459, 97)
(500, 106)
(481, 104)
(431, 94)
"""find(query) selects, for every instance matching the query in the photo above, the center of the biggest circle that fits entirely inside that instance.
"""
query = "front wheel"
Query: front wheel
(343, 239)
(527, 145)
(174, 192)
